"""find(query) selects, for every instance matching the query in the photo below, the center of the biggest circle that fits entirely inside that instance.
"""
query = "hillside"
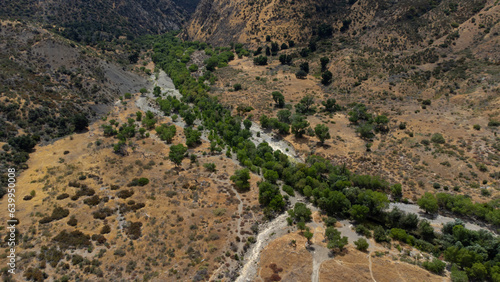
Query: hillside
(51, 87)
(381, 24)
(95, 21)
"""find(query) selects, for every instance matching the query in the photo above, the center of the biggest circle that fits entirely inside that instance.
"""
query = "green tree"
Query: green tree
(284, 116)
(210, 167)
(247, 124)
(279, 99)
(324, 62)
(193, 137)
(305, 106)
(300, 212)
(335, 240)
(326, 77)
(177, 153)
(457, 275)
(260, 60)
(361, 244)
(359, 212)
(426, 231)
(24, 143)
(396, 191)
(308, 234)
(322, 132)
(81, 122)
(478, 271)
(305, 67)
(437, 266)
(157, 91)
(241, 179)
(331, 105)
(438, 138)
(301, 74)
(149, 121)
(380, 235)
(271, 176)
(166, 133)
(299, 125)
(428, 203)
(285, 59)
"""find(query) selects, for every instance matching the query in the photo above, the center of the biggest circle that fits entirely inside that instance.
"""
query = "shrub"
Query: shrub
(240, 179)
(93, 201)
(237, 87)
(62, 196)
(99, 238)
(288, 189)
(138, 182)
(363, 230)
(193, 68)
(477, 127)
(209, 167)
(301, 74)
(134, 230)
(219, 211)
(380, 235)
(102, 213)
(361, 244)
(494, 123)
(330, 221)
(72, 221)
(75, 239)
(326, 77)
(124, 194)
(105, 229)
(57, 213)
(260, 61)
(438, 138)
(437, 266)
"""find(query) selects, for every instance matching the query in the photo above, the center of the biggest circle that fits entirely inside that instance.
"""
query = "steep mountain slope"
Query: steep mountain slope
(92, 21)
(388, 25)
(46, 81)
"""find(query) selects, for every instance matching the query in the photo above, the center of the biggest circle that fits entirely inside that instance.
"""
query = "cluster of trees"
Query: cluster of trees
(367, 123)
(462, 205)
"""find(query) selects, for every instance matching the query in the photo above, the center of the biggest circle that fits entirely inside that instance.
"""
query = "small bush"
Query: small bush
(289, 190)
(437, 266)
(138, 182)
(124, 194)
(219, 211)
(134, 230)
(72, 221)
(438, 138)
(105, 229)
(209, 167)
(494, 123)
(361, 244)
(476, 127)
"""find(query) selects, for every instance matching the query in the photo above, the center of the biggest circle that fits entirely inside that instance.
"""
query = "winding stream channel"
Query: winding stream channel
(251, 260)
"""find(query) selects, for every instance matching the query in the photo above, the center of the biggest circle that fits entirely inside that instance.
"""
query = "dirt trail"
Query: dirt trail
(249, 270)
(320, 254)
(370, 266)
